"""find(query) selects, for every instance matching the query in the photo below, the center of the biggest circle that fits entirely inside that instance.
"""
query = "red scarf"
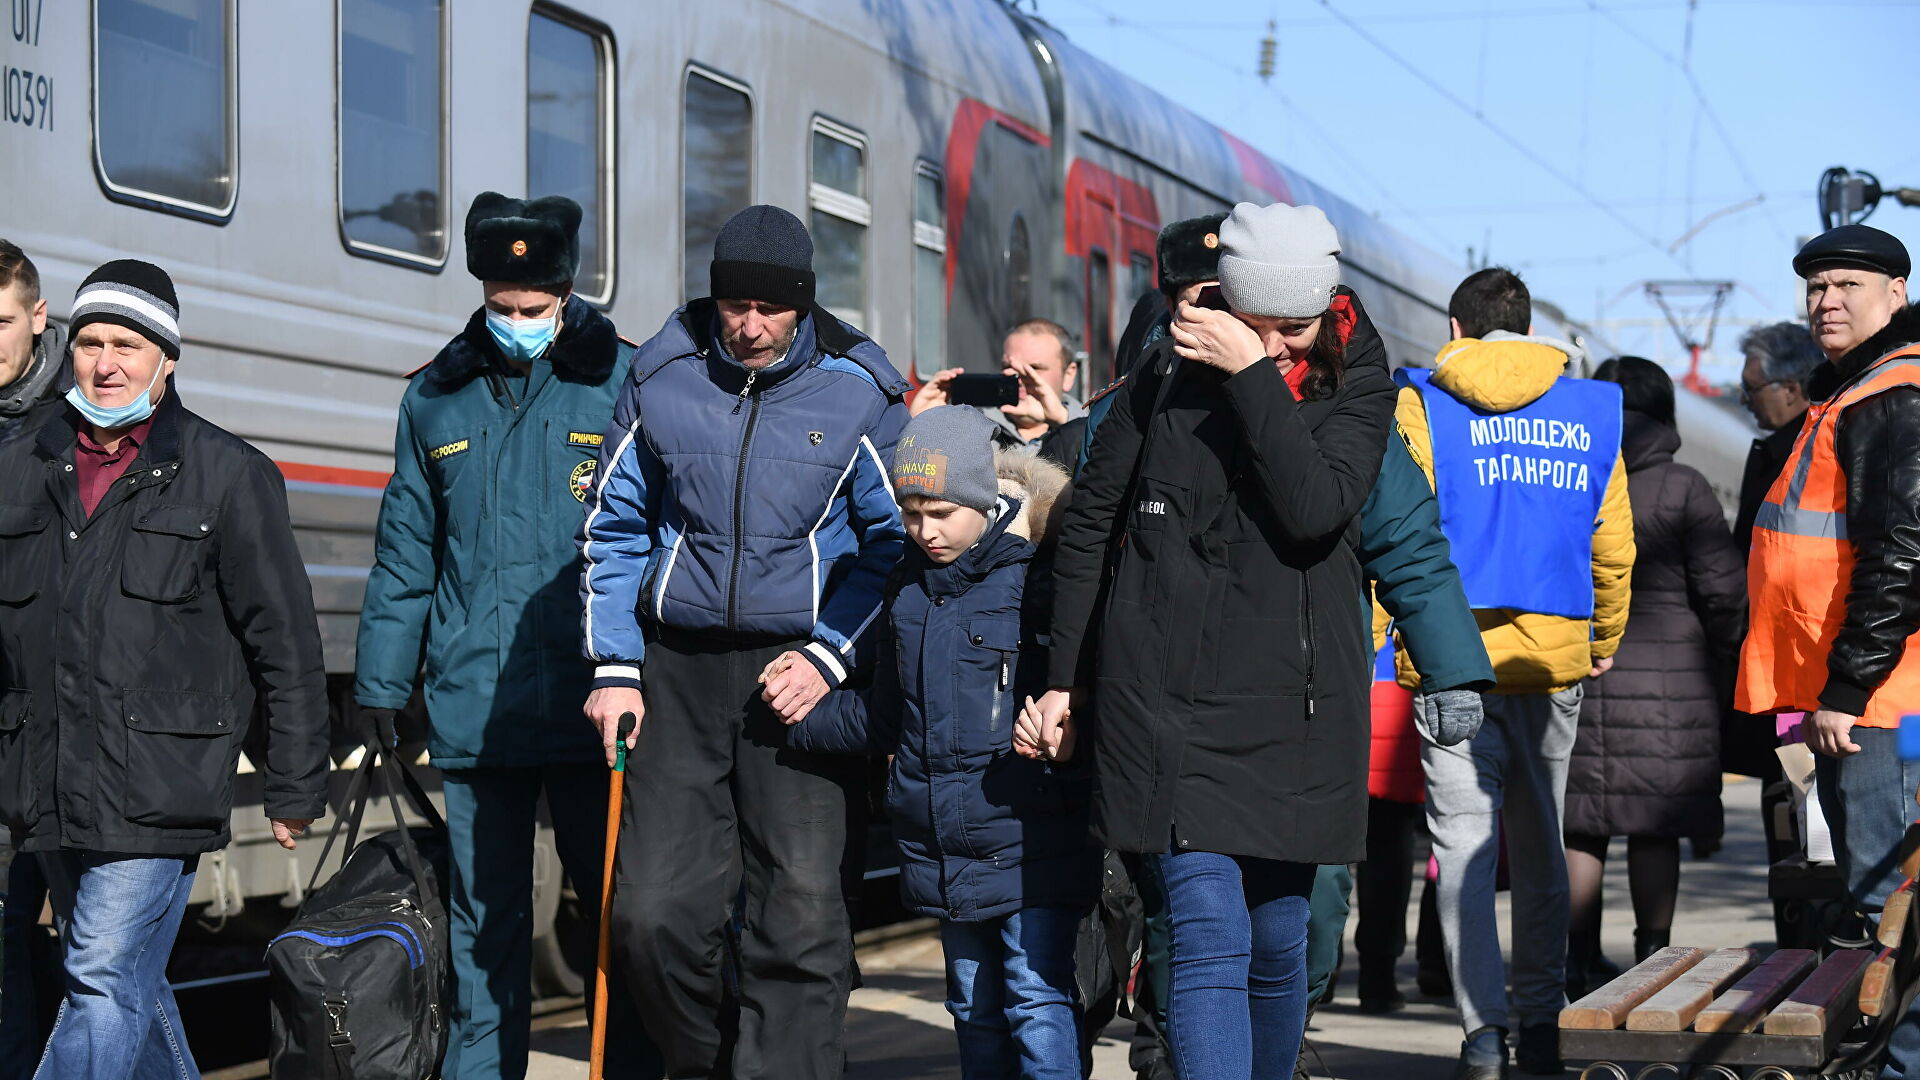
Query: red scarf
(1342, 309)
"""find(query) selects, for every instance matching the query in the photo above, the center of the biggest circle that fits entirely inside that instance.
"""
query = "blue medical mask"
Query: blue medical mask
(133, 412)
(522, 339)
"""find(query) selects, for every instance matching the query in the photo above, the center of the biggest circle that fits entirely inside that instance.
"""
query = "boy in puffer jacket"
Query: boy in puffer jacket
(991, 822)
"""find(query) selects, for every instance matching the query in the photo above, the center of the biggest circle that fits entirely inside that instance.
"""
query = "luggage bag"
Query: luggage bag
(359, 981)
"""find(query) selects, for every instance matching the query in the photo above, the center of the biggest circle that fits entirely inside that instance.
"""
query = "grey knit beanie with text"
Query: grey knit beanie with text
(947, 453)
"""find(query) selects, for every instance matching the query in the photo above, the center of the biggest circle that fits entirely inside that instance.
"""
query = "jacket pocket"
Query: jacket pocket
(990, 660)
(20, 556)
(17, 782)
(178, 772)
(165, 552)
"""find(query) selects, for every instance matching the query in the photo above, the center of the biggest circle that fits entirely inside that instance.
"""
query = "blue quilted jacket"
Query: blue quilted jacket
(982, 831)
(749, 503)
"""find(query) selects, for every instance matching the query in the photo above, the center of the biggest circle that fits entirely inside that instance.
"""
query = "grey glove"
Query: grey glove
(1450, 716)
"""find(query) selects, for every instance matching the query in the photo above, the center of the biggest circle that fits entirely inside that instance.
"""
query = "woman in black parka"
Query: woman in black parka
(1211, 612)
(1646, 764)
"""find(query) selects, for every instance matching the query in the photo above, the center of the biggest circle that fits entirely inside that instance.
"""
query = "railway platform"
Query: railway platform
(898, 1028)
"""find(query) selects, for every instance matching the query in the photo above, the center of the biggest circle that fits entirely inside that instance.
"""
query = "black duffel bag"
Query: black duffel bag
(360, 979)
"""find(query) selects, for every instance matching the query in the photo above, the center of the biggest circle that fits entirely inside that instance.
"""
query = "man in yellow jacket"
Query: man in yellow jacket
(1525, 463)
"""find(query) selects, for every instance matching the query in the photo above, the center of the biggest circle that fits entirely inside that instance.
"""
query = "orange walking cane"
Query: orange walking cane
(616, 792)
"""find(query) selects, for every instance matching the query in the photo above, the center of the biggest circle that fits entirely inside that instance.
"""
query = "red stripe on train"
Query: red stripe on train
(332, 474)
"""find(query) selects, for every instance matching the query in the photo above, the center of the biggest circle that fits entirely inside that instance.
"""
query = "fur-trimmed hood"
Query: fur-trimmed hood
(584, 352)
(1040, 485)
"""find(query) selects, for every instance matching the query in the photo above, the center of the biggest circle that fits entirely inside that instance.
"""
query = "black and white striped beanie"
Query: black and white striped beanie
(134, 294)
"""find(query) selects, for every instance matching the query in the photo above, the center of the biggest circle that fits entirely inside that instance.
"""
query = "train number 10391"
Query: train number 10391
(26, 97)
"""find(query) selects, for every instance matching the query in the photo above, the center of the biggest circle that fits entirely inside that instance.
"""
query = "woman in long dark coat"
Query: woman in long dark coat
(1646, 765)
(1229, 670)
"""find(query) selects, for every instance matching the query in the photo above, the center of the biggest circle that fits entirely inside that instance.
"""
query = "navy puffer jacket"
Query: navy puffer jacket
(983, 832)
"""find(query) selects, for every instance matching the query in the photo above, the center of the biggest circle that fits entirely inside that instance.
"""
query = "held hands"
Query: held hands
(932, 393)
(793, 686)
(1216, 339)
(286, 829)
(604, 708)
(1044, 728)
(1831, 733)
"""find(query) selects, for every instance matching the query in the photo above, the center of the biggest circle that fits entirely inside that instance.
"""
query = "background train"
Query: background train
(303, 171)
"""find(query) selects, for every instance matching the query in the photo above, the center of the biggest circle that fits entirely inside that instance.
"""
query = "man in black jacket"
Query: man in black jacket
(149, 588)
(1835, 566)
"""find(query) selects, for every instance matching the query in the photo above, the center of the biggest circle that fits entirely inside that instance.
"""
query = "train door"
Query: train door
(1112, 224)
(998, 231)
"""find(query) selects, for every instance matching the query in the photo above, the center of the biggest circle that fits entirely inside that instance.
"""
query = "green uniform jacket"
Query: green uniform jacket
(476, 579)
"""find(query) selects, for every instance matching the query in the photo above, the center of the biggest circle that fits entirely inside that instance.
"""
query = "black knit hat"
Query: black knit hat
(764, 253)
(1189, 252)
(134, 294)
(525, 242)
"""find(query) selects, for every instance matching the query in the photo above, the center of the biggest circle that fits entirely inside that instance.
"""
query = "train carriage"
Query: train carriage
(302, 170)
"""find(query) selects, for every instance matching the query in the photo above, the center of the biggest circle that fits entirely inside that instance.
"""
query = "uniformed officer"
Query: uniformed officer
(476, 572)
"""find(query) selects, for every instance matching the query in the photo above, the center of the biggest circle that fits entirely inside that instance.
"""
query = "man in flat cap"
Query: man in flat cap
(743, 509)
(1834, 573)
(152, 604)
(475, 571)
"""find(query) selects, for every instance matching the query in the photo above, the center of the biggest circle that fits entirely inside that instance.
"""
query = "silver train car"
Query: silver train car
(302, 169)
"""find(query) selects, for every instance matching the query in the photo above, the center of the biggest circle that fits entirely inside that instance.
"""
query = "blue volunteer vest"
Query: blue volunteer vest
(1520, 492)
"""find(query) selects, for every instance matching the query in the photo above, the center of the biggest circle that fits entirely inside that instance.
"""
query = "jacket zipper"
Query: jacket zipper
(999, 692)
(739, 498)
(1306, 634)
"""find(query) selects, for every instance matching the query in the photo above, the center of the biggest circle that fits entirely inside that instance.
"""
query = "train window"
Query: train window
(1019, 271)
(570, 83)
(929, 271)
(163, 109)
(392, 129)
(1099, 308)
(716, 173)
(1139, 276)
(841, 214)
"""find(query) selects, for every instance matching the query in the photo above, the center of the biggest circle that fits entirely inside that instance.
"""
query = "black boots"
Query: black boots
(1648, 942)
(1379, 993)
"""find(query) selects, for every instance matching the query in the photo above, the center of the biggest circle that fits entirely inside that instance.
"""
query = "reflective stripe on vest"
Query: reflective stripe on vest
(1802, 565)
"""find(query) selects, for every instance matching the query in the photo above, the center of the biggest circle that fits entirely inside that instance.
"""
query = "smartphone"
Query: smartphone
(1210, 298)
(984, 390)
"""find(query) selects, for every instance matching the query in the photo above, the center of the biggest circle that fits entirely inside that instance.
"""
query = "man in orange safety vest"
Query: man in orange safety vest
(1834, 573)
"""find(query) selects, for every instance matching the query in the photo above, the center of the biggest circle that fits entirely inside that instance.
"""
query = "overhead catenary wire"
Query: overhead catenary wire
(1502, 133)
(1298, 114)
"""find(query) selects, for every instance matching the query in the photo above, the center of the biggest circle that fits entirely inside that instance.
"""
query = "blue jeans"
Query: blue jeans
(118, 915)
(1011, 992)
(1237, 1004)
(1868, 800)
(19, 1020)
(490, 819)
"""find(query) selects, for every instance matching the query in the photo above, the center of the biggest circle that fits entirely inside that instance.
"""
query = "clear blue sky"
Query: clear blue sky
(1376, 99)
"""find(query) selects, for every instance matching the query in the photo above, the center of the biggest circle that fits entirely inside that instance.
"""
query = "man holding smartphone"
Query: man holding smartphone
(1038, 362)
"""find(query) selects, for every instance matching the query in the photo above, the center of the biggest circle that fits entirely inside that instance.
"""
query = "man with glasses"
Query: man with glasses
(1780, 357)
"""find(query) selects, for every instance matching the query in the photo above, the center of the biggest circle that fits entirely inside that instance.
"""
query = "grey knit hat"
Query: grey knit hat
(947, 453)
(1278, 260)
